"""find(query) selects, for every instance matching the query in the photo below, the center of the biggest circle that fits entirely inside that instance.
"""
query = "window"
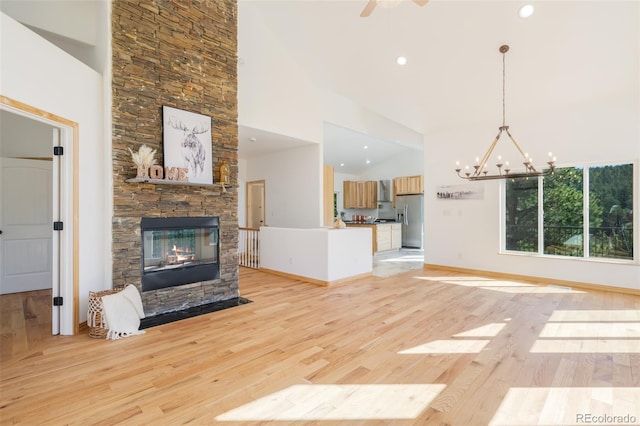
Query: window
(611, 211)
(522, 215)
(576, 212)
(563, 212)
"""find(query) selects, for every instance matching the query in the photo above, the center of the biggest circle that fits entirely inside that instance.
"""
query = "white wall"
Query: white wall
(24, 137)
(274, 94)
(69, 24)
(344, 112)
(321, 254)
(466, 233)
(242, 192)
(293, 186)
(408, 163)
(37, 73)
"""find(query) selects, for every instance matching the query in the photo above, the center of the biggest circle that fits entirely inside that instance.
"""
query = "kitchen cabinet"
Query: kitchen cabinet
(388, 236)
(385, 236)
(396, 235)
(360, 194)
(408, 185)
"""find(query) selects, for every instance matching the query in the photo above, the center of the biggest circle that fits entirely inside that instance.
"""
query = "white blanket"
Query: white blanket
(122, 312)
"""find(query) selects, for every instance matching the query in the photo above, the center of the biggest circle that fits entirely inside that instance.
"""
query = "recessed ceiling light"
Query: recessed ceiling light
(368, 161)
(252, 139)
(401, 60)
(341, 164)
(365, 147)
(525, 11)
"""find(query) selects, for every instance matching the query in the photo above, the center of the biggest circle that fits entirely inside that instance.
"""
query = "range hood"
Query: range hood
(384, 190)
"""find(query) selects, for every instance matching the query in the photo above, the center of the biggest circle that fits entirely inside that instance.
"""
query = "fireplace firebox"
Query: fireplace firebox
(178, 251)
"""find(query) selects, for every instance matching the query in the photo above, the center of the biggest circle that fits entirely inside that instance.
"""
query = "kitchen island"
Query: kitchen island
(322, 256)
(384, 235)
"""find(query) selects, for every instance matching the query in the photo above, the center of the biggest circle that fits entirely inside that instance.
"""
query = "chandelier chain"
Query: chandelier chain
(503, 90)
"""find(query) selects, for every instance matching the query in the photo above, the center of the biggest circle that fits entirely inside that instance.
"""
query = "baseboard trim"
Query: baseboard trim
(316, 281)
(536, 280)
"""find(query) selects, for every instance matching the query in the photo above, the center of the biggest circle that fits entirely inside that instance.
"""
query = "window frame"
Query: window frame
(586, 257)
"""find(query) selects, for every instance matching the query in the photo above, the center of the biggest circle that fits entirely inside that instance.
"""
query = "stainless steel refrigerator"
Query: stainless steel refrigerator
(410, 212)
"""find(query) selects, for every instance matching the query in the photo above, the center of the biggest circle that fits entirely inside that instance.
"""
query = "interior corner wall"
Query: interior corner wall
(293, 183)
(466, 233)
(274, 93)
(344, 112)
(39, 74)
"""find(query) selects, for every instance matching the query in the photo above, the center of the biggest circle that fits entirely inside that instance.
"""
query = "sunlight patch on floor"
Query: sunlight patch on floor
(569, 406)
(613, 346)
(448, 347)
(595, 315)
(338, 402)
(483, 331)
(591, 329)
(503, 286)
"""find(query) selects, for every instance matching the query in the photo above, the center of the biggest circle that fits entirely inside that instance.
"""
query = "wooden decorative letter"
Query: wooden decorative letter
(182, 174)
(143, 172)
(171, 173)
(155, 172)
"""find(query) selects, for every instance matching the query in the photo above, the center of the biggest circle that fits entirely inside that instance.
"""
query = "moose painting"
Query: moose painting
(187, 143)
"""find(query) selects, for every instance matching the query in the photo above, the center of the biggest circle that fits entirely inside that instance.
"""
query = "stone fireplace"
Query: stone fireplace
(164, 53)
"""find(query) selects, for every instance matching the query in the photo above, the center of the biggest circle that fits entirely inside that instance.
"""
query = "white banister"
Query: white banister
(248, 247)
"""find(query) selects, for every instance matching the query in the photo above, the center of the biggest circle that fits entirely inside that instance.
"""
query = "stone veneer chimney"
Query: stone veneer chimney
(182, 54)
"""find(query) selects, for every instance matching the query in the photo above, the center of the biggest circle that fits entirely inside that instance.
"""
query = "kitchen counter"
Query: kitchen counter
(385, 235)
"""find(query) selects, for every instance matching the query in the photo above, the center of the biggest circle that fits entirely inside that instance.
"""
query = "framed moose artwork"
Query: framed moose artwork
(187, 143)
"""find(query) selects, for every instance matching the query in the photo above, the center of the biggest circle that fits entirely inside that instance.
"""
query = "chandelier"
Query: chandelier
(480, 171)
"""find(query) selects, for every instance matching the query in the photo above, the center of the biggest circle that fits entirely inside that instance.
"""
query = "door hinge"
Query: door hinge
(58, 226)
(57, 301)
(57, 150)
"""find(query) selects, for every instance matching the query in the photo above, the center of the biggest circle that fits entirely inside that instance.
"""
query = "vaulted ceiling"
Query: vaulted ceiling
(566, 53)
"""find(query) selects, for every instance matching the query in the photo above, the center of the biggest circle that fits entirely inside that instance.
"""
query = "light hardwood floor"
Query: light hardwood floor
(25, 322)
(423, 347)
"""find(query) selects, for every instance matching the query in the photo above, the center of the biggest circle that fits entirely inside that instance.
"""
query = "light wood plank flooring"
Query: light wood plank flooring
(25, 322)
(424, 347)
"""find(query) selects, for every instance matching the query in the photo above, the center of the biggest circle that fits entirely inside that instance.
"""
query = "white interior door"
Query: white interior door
(26, 242)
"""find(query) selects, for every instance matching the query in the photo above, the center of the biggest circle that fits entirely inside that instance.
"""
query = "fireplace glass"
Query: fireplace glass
(179, 251)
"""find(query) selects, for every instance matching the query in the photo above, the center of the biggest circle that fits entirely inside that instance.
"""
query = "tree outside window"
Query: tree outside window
(609, 211)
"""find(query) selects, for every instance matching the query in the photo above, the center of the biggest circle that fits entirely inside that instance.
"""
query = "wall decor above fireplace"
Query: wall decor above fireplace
(187, 143)
(178, 251)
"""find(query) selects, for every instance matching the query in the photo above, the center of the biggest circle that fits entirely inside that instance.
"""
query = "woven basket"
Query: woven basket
(97, 327)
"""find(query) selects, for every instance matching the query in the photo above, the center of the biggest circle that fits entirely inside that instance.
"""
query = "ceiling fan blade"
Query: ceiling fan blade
(421, 2)
(368, 8)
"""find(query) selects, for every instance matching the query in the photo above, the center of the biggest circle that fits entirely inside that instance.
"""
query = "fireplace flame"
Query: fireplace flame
(179, 255)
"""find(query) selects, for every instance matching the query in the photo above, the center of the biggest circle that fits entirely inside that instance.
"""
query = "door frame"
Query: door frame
(248, 186)
(69, 268)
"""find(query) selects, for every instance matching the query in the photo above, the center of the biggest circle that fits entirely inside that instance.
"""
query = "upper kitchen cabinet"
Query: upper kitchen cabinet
(408, 185)
(360, 194)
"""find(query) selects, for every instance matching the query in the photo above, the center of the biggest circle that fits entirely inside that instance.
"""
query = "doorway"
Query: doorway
(256, 204)
(37, 195)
